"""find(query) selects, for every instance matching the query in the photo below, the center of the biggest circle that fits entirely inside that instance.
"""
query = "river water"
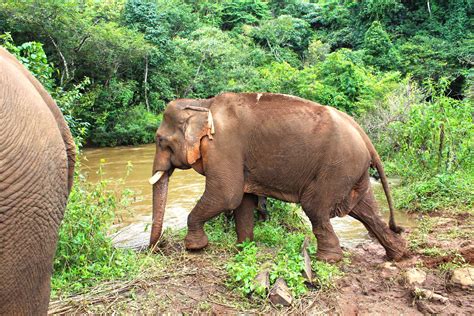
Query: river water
(133, 165)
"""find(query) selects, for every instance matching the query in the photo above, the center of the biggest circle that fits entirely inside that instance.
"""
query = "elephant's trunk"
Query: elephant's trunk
(160, 193)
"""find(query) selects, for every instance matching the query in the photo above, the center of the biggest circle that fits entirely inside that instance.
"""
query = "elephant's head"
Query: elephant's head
(178, 139)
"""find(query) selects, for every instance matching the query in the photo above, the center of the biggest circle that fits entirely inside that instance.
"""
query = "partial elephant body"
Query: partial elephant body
(36, 169)
(277, 146)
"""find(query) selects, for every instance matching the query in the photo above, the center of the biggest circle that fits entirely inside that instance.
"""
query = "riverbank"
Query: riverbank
(174, 280)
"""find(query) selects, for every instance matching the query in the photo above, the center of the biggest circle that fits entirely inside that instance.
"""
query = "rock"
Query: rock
(280, 293)
(463, 277)
(307, 273)
(429, 295)
(415, 276)
(426, 308)
(135, 236)
(388, 269)
(263, 279)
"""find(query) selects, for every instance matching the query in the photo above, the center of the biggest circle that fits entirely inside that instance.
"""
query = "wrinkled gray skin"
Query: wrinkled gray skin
(36, 172)
(276, 146)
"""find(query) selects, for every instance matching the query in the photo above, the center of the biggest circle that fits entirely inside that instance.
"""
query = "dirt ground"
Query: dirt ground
(195, 282)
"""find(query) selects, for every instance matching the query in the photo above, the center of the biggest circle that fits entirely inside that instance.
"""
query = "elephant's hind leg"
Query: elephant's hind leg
(366, 212)
(244, 220)
(318, 212)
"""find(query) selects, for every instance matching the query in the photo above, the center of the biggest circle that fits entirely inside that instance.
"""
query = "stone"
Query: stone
(463, 277)
(429, 295)
(280, 293)
(307, 272)
(415, 276)
(388, 270)
(263, 279)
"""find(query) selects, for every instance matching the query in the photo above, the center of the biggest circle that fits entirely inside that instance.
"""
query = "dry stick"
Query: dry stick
(145, 81)
(222, 304)
(66, 70)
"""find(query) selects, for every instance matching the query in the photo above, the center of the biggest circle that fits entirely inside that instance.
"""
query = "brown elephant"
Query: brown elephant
(37, 156)
(273, 145)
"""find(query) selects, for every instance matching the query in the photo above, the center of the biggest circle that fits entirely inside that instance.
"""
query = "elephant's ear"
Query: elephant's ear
(199, 124)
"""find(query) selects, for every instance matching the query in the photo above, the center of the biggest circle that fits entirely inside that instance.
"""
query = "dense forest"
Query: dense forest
(402, 68)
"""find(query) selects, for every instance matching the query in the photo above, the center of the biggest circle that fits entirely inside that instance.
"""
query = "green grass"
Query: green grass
(443, 191)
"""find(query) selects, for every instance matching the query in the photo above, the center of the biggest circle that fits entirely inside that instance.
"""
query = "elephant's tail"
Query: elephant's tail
(377, 163)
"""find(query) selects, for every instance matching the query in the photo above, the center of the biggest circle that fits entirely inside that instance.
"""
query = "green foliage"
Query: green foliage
(437, 193)
(325, 273)
(85, 255)
(244, 268)
(289, 263)
(240, 12)
(284, 32)
(133, 127)
(277, 248)
(435, 137)
(379, 49)
(317, 52)
(33, 57)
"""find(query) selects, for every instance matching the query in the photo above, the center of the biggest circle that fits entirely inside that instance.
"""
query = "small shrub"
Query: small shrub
(85, 254)
(277, 248)
(243, 269)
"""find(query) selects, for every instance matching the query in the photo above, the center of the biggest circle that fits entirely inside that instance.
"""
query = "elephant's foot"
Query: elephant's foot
(329, 248)
(196, 240)
(395, 248)
(331, 256)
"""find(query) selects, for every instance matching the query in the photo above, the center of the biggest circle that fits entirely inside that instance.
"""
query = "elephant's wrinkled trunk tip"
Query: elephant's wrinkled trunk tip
(160, 193)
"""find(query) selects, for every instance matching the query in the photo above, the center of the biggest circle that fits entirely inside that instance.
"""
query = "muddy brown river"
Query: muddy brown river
(133, 165)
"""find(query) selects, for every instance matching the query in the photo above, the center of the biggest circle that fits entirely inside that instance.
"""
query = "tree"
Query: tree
(282, 34)
(379, 49)
(240, 12)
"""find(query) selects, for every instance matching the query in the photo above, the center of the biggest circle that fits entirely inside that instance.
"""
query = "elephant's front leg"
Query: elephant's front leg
(222, 193)
(244, 218)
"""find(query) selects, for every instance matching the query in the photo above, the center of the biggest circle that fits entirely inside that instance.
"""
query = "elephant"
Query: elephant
(273, 145)
(37, 158)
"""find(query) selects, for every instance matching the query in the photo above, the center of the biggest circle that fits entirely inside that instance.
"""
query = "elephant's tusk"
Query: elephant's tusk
(156, 177)
(210, 122)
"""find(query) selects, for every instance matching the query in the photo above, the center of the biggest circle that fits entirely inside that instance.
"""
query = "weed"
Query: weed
(457, 262)
(419, 237)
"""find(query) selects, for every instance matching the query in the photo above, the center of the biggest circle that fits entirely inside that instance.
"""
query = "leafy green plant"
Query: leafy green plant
(85, 255)
(33, 57)
(277, 249)
(289, 264)
(243, 268)
(325, 273)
